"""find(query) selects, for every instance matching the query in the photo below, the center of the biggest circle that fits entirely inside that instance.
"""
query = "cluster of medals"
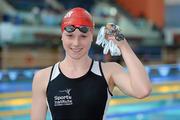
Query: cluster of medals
(105, 36)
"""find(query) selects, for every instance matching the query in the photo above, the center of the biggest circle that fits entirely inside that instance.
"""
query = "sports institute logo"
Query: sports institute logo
(64, 98)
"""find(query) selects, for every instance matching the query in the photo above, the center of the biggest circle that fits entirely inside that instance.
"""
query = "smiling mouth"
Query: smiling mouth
(76, 49)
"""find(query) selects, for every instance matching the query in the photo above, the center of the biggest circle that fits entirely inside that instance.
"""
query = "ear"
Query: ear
(61, 37)
(92, 35)
(92, 39)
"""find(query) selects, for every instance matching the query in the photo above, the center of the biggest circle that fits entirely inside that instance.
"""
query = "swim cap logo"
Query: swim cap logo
(68, 14)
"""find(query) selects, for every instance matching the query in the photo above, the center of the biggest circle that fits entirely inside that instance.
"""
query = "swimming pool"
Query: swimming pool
(164, 109)
(163, 104)
(158, 110)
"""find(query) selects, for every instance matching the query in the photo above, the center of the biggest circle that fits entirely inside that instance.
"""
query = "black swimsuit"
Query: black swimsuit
(83, 98)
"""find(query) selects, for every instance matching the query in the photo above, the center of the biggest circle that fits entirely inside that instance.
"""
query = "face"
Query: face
(76, 43)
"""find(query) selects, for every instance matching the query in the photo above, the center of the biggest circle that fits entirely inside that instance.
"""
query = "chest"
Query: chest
(89, 91)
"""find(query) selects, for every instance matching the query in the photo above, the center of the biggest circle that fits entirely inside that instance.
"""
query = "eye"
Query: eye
(69, 35)
(83, 36)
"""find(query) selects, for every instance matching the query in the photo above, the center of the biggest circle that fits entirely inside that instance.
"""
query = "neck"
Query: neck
(77, 63)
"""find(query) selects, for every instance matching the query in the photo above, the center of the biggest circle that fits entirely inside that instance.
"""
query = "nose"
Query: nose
(76, 41)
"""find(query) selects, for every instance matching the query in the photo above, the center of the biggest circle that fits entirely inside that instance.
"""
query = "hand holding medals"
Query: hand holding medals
(107, 36)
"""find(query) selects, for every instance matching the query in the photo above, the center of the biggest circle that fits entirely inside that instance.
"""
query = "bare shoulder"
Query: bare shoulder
(111, 66)
(41, 77)
(43, 73)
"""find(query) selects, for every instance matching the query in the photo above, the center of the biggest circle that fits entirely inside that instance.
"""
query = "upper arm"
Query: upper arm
(120, 78)
(39, 106)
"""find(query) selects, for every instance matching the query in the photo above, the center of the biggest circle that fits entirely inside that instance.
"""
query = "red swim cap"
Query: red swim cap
(77, 16)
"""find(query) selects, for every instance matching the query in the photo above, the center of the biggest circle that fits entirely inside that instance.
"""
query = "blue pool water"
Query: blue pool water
(158, 110)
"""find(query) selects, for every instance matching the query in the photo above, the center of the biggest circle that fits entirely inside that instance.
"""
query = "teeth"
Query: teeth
(76, 50)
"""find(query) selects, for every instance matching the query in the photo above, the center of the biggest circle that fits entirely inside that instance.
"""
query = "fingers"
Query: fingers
(109, 38)
(113, 30)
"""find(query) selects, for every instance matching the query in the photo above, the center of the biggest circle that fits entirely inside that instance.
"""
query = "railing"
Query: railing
(157, 73)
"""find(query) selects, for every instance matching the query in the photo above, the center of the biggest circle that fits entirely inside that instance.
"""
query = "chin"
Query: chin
(77, 57)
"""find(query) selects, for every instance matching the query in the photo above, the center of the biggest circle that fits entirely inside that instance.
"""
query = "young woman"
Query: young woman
(79, 88)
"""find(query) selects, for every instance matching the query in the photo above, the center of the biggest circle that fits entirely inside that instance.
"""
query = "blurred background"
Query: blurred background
(30, 40)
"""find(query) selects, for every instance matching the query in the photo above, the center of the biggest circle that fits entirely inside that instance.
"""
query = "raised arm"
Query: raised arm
(135, 82)
(39, 106)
